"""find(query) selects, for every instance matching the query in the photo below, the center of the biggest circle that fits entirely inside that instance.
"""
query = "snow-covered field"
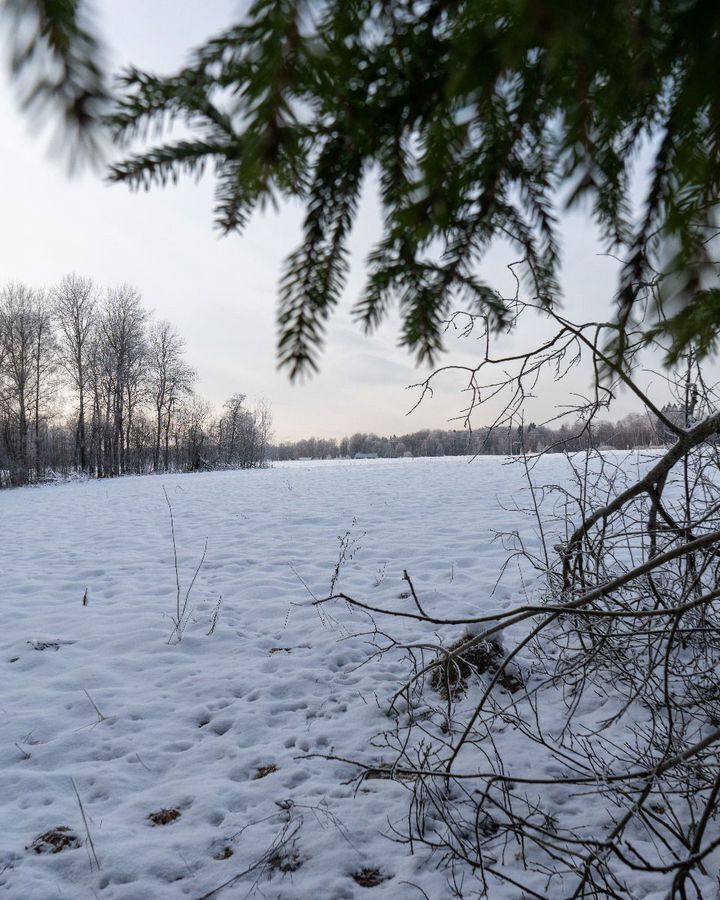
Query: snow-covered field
(105, 723)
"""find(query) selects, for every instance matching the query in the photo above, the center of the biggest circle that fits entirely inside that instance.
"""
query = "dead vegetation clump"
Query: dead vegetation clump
(369, 878)
(264, 771)
(285, 862)
(164, 816)
(225, 853)
(450, 678)
(55, 840)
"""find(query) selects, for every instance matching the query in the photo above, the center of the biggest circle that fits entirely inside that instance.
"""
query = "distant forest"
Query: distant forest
(90, 383)
(634, 430)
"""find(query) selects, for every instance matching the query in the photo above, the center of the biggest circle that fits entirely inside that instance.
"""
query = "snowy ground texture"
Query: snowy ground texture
(218, 728)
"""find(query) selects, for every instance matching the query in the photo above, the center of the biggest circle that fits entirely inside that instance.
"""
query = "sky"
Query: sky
(220, 292)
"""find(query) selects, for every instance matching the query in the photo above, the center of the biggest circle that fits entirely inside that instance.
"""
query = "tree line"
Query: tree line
(634, 430)
(91, 383)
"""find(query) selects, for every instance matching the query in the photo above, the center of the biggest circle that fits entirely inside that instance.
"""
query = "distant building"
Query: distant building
(365, 456)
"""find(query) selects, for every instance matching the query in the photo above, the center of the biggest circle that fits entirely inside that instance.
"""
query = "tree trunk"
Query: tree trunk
(158, 438)
(82, 450)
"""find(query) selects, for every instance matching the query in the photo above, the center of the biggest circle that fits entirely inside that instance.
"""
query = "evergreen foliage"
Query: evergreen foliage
(57, 59)
(481, 119)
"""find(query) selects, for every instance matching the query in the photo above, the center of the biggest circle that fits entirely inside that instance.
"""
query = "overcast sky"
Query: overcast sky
(220, 292)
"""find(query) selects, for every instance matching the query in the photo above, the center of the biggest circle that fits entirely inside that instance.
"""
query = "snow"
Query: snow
(99, 698)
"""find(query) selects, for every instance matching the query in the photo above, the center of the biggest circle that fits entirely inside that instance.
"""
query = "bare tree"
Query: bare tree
(169, 379)
(75, 301)
(100, 384)
(243, 434)
(16, 336)
(197, 417)
(230, 426)
(122, 331)
(134, 407)
(45, 362)
(264, 428)
(26, 359)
